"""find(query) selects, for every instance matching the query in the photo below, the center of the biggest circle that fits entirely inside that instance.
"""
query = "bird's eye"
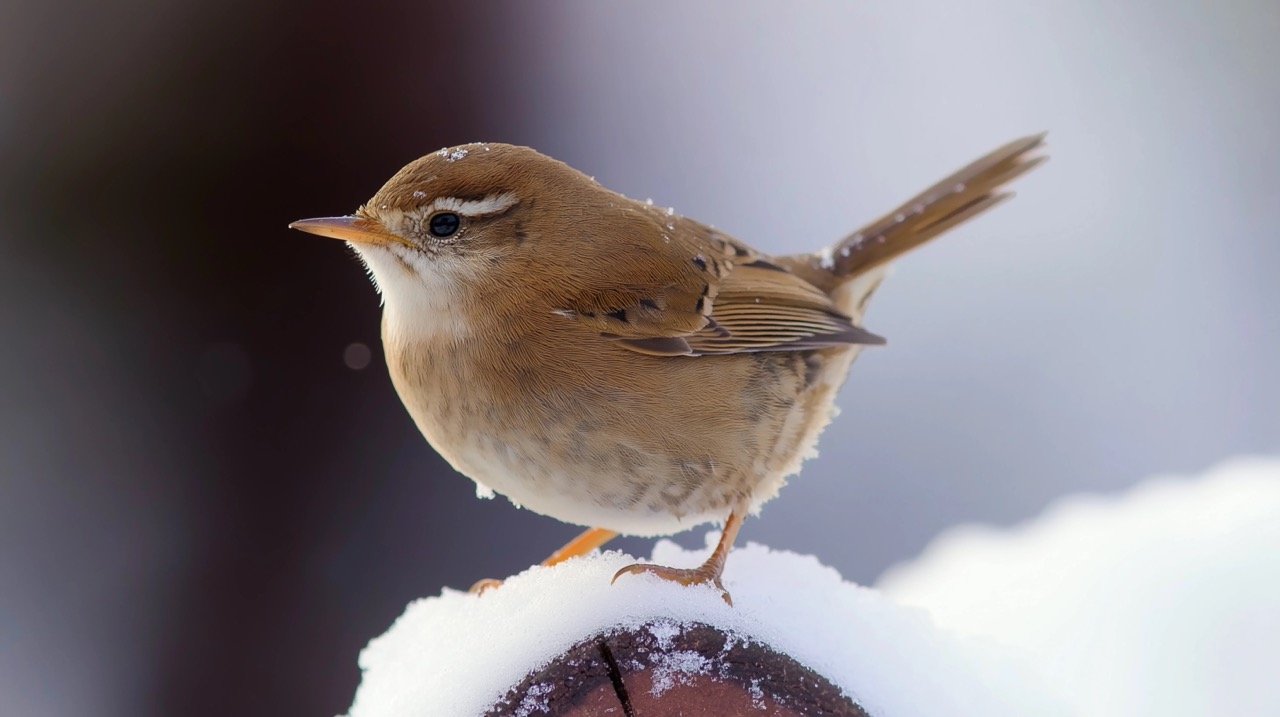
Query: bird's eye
(444, 224)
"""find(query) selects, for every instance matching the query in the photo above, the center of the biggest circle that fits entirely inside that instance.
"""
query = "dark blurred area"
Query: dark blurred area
(207, 498)
(210, 501)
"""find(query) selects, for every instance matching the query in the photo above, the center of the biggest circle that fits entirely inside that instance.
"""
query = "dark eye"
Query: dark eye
(444, 224)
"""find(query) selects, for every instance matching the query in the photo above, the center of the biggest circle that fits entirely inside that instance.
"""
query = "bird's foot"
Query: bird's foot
(482, 586)
(702, 575)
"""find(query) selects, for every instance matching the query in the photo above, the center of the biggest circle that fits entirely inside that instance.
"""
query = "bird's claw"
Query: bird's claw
(484, 585)
(703, 575)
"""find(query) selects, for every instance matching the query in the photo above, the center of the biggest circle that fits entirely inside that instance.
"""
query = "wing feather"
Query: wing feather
(717, 296)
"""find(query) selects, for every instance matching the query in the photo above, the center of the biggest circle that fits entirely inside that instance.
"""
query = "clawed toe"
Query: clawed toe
(482, 586)
(703, 575)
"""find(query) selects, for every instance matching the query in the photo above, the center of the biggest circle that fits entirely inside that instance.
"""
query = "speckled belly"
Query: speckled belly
(603, 455)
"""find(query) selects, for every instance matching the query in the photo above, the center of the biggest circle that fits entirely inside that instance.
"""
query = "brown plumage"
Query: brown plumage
(611, 363)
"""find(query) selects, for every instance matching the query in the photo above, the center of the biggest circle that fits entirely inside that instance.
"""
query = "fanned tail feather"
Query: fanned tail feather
(947, 204)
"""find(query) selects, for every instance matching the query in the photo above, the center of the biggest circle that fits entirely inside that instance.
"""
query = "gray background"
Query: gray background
(204, 511)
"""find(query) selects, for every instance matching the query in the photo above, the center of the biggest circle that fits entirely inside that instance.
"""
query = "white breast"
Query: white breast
(420, 295)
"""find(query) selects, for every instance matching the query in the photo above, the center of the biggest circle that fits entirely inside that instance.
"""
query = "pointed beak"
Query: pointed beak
(352, 229)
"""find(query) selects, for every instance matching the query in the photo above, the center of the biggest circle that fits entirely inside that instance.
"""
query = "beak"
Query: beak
(352, 229)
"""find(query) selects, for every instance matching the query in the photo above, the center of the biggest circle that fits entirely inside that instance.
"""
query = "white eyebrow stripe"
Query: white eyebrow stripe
(492, 204)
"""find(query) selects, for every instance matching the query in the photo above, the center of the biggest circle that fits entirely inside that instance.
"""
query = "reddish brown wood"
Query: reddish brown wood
(663, 670)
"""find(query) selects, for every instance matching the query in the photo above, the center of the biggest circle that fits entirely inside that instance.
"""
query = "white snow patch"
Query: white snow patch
(535, 700)
(677, 668)
(664, 632)
(1162, 601)
(456, 654)
(825, 258)
(453, 155)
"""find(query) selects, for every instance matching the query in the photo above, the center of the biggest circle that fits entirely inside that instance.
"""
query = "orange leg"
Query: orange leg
(708, 572)
(587, 541)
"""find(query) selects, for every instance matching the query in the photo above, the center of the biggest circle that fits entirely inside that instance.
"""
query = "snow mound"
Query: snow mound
(1162, 601)
(457, 654)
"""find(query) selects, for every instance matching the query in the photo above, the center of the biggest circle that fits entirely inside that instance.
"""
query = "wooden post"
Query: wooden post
(663, 668)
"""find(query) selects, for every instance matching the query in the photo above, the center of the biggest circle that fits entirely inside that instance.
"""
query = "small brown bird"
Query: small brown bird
(613, 364)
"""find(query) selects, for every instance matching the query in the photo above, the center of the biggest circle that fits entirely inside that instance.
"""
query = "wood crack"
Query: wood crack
(615, 676)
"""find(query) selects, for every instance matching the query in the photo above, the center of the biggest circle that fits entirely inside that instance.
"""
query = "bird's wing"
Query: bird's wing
(694, 291)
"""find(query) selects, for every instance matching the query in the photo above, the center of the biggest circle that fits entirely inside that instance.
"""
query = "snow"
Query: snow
(534, 701)
(454, 154)
(457, 654)
(825, 259)
(677, 667)
(1164, 600)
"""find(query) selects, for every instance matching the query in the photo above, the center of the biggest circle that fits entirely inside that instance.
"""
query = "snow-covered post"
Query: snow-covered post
(798, 640)
(1159, 601)
(662, 667)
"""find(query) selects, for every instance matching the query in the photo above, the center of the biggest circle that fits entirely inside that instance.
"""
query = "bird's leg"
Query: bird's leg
(708, 572)
(586, 541)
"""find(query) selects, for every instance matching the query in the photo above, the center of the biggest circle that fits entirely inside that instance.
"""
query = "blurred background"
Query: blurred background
(210, 496)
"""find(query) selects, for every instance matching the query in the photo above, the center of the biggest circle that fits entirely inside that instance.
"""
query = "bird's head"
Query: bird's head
(462, 218)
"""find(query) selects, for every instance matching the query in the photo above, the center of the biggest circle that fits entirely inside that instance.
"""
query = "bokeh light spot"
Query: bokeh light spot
(356, 356)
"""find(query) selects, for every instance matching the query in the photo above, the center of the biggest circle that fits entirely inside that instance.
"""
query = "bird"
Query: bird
(614, 364)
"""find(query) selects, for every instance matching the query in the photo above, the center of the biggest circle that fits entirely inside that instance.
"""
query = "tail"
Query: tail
(949, 203)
